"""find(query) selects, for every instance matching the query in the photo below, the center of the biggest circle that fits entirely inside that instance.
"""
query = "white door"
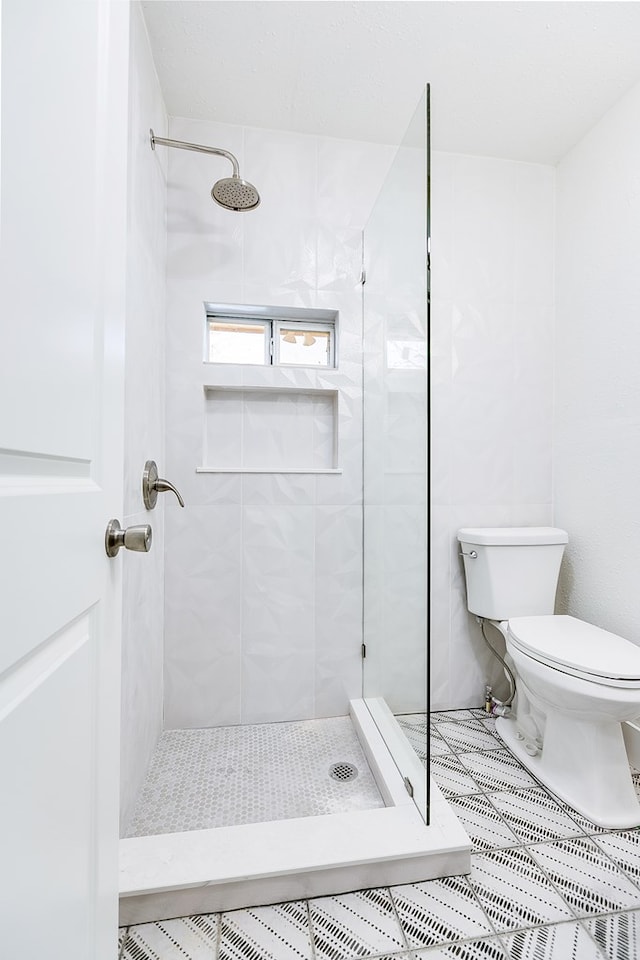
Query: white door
(62, 267)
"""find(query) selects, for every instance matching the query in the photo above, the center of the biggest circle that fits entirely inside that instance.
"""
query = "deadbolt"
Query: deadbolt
(133, 538)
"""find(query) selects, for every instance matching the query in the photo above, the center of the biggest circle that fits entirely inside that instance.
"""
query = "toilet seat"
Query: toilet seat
(577, 648)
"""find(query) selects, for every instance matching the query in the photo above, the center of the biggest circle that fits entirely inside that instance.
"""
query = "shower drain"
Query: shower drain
(343, 771)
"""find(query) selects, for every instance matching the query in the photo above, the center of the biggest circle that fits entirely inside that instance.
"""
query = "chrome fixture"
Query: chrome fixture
(343, 770)
(499, 708)
(232, 193)
(133, 538)
(152, 485)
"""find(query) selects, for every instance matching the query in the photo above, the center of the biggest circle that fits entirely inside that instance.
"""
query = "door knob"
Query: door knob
(152, 485)
(133, 538)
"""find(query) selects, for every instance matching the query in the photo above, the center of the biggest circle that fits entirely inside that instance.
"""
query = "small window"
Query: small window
(286, 338)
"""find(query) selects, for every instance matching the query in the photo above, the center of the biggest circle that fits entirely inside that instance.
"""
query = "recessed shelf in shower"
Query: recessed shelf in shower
(270, 430)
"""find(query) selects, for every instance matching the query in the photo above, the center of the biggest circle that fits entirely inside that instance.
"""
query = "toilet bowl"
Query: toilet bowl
(575, 683)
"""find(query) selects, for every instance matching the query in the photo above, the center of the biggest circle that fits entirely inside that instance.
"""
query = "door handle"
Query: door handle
(133, 538)
(152, 485)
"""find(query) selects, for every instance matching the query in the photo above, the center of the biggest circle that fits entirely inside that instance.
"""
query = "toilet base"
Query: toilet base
(601, 788)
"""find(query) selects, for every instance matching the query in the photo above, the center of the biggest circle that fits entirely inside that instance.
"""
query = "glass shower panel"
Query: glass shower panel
(396, 453)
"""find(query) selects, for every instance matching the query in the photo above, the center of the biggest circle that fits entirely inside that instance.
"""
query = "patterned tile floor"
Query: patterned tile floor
(545, 884)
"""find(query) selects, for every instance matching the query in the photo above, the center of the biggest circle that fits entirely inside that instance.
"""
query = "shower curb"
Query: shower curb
(229, 868)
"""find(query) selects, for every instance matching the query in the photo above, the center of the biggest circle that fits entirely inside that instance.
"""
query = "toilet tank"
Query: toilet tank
(511, 571)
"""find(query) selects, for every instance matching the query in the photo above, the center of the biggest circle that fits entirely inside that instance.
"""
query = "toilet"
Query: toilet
(575, 683)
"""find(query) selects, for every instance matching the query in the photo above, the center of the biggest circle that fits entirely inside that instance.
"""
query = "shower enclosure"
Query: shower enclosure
(271, 636)
(396, 457)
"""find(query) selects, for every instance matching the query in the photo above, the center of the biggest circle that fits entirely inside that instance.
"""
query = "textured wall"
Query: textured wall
(263, 575)
(395, 434)
(143, 605)
(492, 389)
(263, 572)
(597, 424)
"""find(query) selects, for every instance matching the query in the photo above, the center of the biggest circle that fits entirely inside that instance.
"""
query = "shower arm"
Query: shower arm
(198, 149)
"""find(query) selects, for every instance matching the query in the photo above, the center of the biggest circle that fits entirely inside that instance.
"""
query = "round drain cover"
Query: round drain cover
(343, 770)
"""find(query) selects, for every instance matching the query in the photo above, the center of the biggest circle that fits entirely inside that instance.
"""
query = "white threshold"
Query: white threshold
(229, 868)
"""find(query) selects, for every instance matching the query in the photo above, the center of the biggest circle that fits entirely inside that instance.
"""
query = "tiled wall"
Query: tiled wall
(492, 390)
(395, 433)
(263, 571)
(144, 419)
(263, 575)
(597, 423)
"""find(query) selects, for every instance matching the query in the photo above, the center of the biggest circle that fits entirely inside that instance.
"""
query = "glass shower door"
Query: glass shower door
(396, 457)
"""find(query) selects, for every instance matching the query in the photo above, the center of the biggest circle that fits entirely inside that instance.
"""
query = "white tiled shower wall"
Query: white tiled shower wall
(395, 438)
(263, 574)
(142, 636)
(597, 422)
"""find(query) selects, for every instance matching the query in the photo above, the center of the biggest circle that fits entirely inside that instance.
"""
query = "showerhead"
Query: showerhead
(233, 193)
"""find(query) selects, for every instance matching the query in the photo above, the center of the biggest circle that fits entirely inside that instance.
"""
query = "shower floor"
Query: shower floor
(227, 776)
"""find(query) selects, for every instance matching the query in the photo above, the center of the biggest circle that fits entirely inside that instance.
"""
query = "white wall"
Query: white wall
(492, 384)
(395, 433)
(143, 603)
(597, 424)
(263, 572)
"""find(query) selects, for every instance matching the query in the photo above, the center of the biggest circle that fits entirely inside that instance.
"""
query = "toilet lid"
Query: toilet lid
(577, 645)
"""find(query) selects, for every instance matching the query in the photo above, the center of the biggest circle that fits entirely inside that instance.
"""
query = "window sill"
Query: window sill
(319, 470)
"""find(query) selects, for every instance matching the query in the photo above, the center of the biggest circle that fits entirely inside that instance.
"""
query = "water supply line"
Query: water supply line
(499, 708)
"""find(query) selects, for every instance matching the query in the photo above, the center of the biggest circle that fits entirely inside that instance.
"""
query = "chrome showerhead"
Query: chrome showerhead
(233, 193)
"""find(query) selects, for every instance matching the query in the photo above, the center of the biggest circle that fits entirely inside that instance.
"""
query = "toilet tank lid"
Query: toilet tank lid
(512, 536)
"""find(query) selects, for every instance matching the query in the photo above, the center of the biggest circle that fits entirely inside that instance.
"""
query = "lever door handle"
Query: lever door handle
(152, 485)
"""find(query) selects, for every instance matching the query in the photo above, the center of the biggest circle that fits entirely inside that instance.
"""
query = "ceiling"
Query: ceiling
(519, 80)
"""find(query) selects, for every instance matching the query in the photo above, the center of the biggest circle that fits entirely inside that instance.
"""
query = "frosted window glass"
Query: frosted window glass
(308, 347)
(237, 342)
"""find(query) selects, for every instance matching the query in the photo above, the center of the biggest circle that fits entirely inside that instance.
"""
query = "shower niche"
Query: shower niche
(270, 430)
